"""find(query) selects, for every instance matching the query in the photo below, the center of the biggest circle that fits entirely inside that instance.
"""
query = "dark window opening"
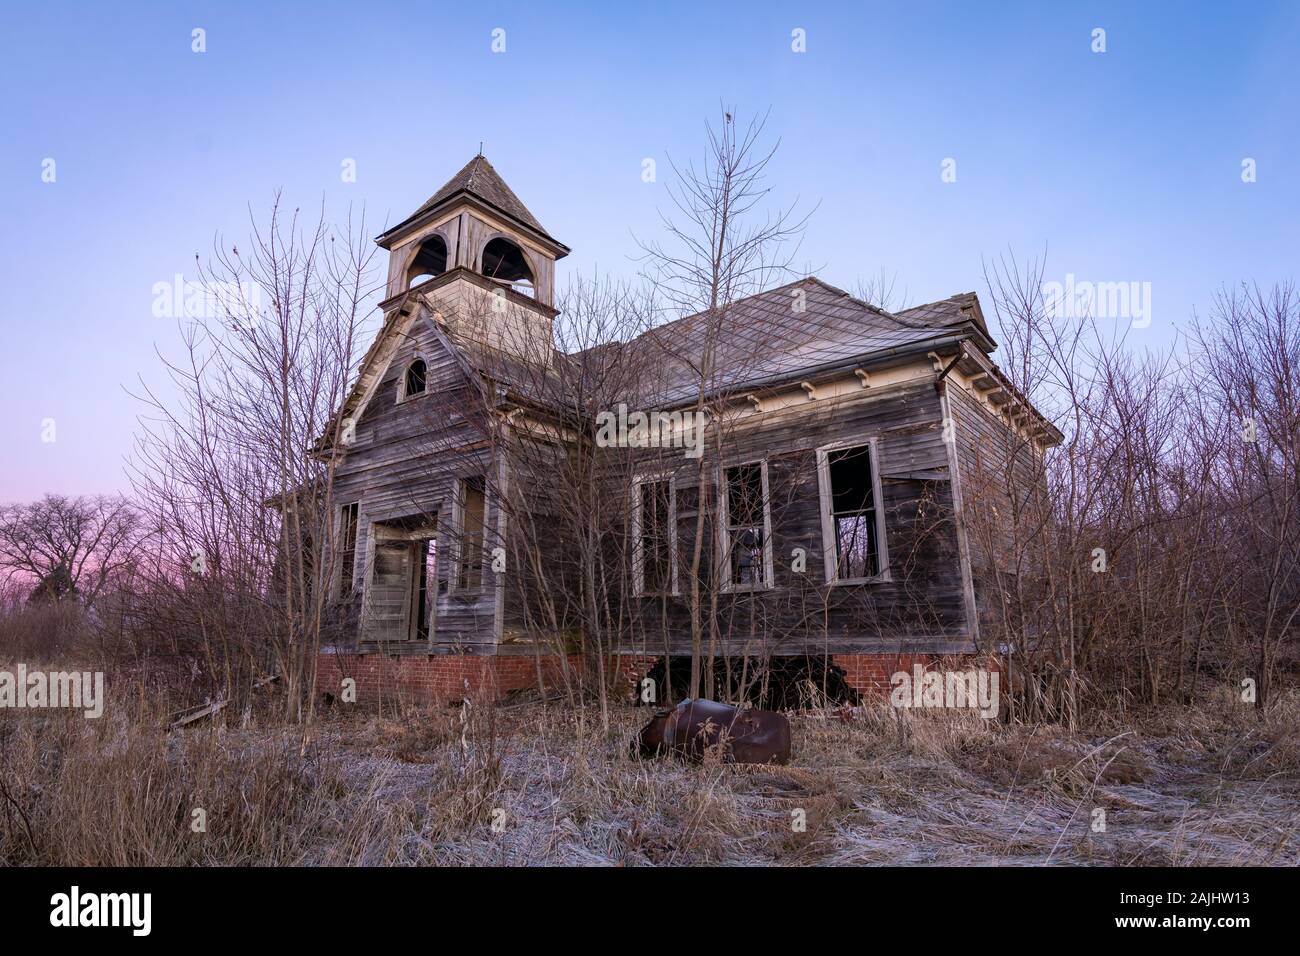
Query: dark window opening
(688, 510)
(656, 537)
(853, 513)
(473, 512)
(415, 378)
(505, 262)
(745, 524)
(426, 577)
(429, 262)
(347, 547)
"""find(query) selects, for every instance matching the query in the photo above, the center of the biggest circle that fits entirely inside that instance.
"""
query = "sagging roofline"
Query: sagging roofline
(839, 368)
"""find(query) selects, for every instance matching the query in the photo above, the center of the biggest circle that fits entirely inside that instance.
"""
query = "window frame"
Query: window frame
(826, 502)
(724, 513)
(419, 567)
(402, 394)
(345, 585)
(638, 554)
(457, 542)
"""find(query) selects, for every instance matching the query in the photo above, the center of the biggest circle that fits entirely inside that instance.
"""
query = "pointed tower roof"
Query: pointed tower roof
(479, 179)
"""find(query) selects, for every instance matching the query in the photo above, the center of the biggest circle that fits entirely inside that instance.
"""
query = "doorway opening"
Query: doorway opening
(403, 588)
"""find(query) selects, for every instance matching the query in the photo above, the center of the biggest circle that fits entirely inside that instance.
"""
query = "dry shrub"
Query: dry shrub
(410, 737)
(1224, 734)
(782, 796)
(45, 632)
(1009, 754)
(938, 733)
(467, 791)
(1262, 744)
(468, 775)
(122, 792)
(1025, 757)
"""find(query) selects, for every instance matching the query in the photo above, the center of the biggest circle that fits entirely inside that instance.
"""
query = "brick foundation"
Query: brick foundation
(436, 678)
(631, 668)
(385, 679)
(869, 674)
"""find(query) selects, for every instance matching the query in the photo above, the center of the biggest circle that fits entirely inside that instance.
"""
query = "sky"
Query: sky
(928, 137)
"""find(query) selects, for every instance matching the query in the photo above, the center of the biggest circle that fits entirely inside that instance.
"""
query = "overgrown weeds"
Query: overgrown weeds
(544, 784)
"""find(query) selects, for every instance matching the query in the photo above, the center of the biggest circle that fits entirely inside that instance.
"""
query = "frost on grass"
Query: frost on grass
(540, 785)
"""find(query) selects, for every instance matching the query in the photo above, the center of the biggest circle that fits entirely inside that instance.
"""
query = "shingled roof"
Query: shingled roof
(761, 339)
(478, 178)
(756, 342)
(954, 310)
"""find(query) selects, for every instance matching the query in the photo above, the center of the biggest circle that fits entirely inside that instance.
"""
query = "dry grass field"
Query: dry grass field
(541, 784)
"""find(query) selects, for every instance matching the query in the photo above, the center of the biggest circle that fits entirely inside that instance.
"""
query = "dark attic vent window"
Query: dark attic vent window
(415, 376)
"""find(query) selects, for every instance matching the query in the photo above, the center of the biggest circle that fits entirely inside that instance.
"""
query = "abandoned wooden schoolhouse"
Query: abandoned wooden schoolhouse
(506, 518)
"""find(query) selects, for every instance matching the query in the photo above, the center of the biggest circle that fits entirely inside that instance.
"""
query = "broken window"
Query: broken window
(687, 507)
(388, 601)
(473, 513)
(426, 577)
(429, 262)
(415, 378)
(746, 525)
(654, 536)
(505, 262)
(347, 547)
(854, 529)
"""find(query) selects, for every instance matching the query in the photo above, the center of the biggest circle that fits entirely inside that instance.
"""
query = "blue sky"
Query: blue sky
(1123, 165)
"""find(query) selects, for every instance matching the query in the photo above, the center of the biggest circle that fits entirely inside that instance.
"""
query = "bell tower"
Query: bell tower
(477, 253)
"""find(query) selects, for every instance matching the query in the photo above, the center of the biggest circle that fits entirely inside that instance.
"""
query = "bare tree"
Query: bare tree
(882, 291)
(71, 547)
(717, 251)
(1157, 546)
(230, 461)
(1250, 360)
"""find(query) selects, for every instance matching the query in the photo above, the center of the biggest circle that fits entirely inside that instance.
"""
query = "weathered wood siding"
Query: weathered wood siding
(405, 461)
(408, 456)
(1003, 500)
(540, 588)
(922, 608)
